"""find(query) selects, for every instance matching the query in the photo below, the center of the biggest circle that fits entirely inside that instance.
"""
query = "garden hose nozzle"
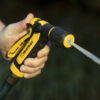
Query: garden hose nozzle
(39, 32)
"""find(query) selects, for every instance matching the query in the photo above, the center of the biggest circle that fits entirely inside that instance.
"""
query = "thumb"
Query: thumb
(22, 25)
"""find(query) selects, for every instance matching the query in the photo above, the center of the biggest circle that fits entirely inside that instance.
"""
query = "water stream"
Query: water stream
(87, 53)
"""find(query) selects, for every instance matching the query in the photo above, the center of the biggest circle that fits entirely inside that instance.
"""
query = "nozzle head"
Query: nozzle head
(68, 41)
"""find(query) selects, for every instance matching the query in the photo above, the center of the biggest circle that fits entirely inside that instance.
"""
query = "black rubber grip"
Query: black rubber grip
(57, 36)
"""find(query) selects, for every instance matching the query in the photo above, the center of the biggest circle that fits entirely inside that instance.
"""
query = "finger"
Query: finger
(43, 52)
(27, 69)
(34, 62)
(20, 26)
(26, 75)
(4, 55)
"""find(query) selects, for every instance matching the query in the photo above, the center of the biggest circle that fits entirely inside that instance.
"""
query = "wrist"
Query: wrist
(2, 25)
(1, 39)
(2, 47)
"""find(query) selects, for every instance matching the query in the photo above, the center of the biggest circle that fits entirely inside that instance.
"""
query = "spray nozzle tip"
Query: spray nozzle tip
(69, 40)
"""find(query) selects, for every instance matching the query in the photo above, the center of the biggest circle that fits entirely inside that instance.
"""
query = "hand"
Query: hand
(33, 66)
(10, 34)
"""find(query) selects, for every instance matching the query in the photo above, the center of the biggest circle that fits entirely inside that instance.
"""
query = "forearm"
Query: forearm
(2, 25)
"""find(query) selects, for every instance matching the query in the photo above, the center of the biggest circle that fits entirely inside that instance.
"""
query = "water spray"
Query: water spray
(85, 52)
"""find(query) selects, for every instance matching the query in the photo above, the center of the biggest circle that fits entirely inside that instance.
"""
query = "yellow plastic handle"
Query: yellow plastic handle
(14, 50)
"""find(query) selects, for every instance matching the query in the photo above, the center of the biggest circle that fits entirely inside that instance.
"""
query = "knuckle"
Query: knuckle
(26, 61)
(46, 52)
(46, 58)
(31, 62)
(34, 64)
(9, 26)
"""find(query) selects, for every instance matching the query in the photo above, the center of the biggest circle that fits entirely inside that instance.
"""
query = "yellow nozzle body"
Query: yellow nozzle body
(39, 33)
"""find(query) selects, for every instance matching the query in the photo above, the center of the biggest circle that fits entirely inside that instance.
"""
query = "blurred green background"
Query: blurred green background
(68, 74)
